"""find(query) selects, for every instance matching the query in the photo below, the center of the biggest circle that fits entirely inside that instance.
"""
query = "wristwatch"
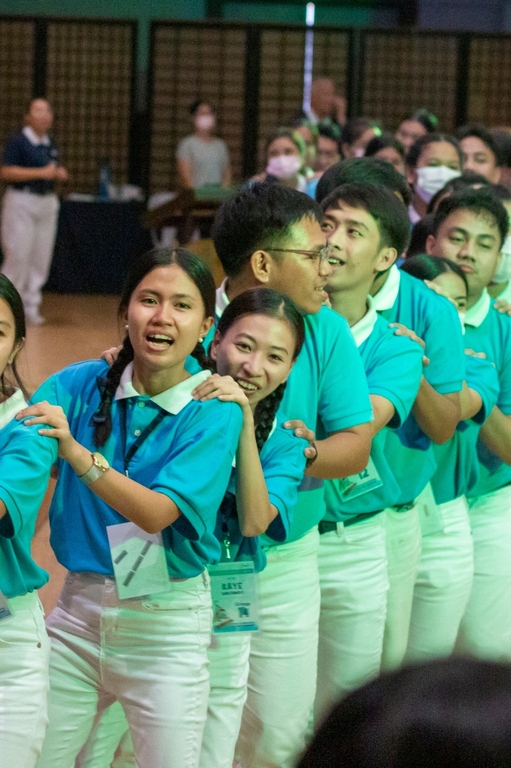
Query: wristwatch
(99, 466)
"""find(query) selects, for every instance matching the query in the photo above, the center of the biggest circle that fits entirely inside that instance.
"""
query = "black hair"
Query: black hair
(196, 104)
(502, 139)
(383, 205)
(383, 142)
(420, 233)
(354, 129)
(265, 301)
(286, 133)
(448, 713)
(415, 151)
(330, 131)
(484, 135)
(363, 170)
(257, 217)
(426, 267)
(478, 201)
(200, 275)
(467, 180)
(500, 191)
(427, 119)
(12, 298)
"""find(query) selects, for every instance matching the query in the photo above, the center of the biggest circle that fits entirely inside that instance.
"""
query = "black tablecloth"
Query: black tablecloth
(96, 242)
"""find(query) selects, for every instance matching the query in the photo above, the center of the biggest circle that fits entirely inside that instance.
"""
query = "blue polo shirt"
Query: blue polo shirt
(327, 381)
(22, 490)
(27, 150)
(393, 366)
(457, 464)
(406, 300)
(488, 331)
(283, 464)
(188, 457)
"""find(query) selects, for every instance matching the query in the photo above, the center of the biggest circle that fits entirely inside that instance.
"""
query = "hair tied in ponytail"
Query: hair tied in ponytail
(100, 416)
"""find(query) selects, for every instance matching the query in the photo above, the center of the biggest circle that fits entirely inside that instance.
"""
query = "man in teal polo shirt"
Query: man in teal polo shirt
(469, 229)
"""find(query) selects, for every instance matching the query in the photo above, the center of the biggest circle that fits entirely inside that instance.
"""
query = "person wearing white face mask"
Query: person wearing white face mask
(500, 286)
(285, 156)
(202, 158)
(431, 162)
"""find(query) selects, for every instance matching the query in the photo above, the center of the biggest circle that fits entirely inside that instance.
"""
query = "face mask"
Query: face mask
(431, 180)
(503, 273)
(205, 122)
(284, 166)
(359, 152)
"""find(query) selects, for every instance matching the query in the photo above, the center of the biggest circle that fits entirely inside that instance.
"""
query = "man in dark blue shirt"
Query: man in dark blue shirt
(30, 206)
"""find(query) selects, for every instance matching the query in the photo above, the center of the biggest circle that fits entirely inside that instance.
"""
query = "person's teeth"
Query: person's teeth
(246, 385)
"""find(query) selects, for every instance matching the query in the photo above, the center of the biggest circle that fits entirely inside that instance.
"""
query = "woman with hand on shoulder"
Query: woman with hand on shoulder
(133, 622)
(24, 644)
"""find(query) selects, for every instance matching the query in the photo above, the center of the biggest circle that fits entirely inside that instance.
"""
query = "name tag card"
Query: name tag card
(139, 561)
(5, 611)
(430, 516)
(234, 596)
(363, 482)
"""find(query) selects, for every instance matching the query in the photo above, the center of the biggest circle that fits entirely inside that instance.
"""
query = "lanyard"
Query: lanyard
(140, 439)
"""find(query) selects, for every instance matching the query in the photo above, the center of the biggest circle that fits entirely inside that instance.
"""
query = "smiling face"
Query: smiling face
(300, 276)
(471, 240)
(359, 255)
(258, 352)
(165, 319)
(478, 157)
(8, 346)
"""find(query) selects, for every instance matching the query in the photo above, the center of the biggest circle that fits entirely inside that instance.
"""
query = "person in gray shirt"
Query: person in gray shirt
(203, 158)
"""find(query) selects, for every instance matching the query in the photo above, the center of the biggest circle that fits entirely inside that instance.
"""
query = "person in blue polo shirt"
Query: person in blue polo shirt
(368, 227)
(446, 572)
(30, 207)
(271, 236)
(24, 644)
(133, 621)
(469, 229)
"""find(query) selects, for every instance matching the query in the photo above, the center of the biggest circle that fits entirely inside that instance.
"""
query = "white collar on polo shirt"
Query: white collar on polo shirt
(476, 314)
(221, 301)
(10, 407)
(364, 328)
(387, 295)
(172, 400)
(34, 139)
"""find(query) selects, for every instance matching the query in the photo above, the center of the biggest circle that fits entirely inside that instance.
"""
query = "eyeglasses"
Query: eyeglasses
(321, 257)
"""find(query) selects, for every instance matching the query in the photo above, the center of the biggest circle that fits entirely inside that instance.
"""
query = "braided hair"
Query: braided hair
(265, 301)
(13, 300)
(200, 275)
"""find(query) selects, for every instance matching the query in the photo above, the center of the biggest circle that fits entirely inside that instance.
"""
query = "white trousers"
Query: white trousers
(149, 653)
(283, 658)
(24, 653)
(403, 542)
(485, 630)
(354, 586)
(443, 585)
(109, 742)
(28, 230)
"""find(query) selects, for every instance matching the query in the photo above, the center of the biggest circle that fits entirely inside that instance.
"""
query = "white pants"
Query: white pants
(148, 653)
(29, 226)
(109, 743)
(228, 673)
(485, 630)
(443, 585)
(24, 653)
(403, 541)
(283, 658)
(354, 585)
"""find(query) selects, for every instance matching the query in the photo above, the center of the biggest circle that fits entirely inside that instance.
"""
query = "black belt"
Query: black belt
(34, 191)
(404, 507)
(327, 526)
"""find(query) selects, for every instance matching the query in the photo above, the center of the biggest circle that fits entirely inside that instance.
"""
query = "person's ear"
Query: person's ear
(261, 264)
(385, 259)
(430, 245)
(207, 324)
(214, 345)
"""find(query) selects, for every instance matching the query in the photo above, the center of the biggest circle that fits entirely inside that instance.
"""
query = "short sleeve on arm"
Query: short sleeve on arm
(444, 347)
(13, 154)
(184, 150)
(283, 463)
(482, 376)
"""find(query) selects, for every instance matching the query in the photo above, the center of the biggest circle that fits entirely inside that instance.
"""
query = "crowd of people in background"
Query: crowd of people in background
(314, 461)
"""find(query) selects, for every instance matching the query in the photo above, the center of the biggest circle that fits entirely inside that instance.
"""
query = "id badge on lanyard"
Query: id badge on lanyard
(362, 482)
(139, 562)
(234, 596)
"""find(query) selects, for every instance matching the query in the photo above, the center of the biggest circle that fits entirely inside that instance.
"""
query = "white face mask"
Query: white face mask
(284, 166)
(432, 179)
(359, 152)
(205, 122)
(503, 273)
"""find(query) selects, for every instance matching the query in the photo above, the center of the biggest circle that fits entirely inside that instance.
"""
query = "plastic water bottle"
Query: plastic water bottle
(104, 180)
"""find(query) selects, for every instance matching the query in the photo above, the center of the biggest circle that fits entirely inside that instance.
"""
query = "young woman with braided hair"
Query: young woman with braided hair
(148, 650)
(256, 342)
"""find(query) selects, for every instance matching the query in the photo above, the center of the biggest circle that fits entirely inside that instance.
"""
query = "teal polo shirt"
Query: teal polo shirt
(393, 366)
(404, 299)
(489, 331)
